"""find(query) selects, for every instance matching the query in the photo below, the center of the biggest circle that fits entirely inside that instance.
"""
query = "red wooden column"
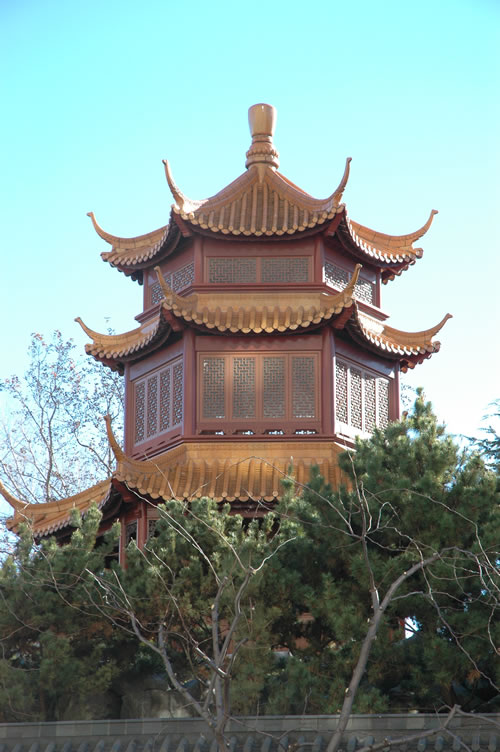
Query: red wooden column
(319, 260)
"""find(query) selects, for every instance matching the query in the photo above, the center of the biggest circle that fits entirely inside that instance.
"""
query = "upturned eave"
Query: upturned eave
(52, 516)
(392, 254)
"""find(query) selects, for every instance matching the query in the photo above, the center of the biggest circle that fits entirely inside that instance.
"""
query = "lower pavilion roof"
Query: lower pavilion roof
(49, 517)
(243, 473)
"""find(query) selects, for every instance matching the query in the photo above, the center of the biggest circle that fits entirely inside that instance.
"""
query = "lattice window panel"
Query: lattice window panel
(339, 278)
(356, 399)
(159, 402)
(341, 392)
(285, 269)
(131, 532)
(336, 276)
(303, 387)
(267, 388)
(165, 399)
(232, 270)
(361, 399)
(383, 402)
(244, 392)
(365, 291)
(152, 406)
(213, 392)
(370, 406)
(183, 277)
(273, 393)
(140, 405)
(177, 401)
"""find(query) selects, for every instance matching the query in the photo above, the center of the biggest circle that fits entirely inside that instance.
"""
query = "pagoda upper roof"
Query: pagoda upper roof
(263, 203)
(251, 313)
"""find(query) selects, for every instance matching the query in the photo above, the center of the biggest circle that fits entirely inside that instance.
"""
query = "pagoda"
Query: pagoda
(262, 344)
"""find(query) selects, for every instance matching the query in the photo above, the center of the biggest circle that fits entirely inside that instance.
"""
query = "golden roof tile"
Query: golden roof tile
(51, 516)
(130, 251)
(258, 203)
(121, 346)
(408, 347)
(251, 312)
(225, 471)
(263, 203)
(388, 248)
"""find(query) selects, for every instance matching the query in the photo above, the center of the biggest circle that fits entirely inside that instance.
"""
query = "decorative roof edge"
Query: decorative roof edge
(389, 249)
(149, 239)
(118, 452)
(256, 319)
(15, 503)
(46, 525)
(119, 347)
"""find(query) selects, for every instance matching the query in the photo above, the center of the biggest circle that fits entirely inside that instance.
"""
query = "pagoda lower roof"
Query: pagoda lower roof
(410, 348)
(244, 473)
(51, 516)
(391, 253)
(131, 255)
(225, 471)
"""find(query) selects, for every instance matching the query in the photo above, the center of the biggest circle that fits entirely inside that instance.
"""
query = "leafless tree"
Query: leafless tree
(52, 442)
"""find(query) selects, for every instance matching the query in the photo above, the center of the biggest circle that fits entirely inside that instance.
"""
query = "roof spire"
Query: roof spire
(262, 121)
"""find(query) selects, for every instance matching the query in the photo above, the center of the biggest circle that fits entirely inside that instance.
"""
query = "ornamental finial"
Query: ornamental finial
(262, 121)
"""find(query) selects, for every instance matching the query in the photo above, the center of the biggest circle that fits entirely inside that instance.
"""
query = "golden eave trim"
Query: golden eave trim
(119, 345)
(50, 516)
(16, 504)
(139, 242)
(261, 201)
(397, 341)
(225, 312)
(388, 248)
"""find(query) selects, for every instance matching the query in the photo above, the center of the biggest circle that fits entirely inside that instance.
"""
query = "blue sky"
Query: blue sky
(95, 94)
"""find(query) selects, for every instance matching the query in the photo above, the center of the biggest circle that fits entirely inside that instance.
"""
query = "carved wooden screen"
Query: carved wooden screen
(361, 399)
(258, 393)
(337, 277)
(158, 402)
(248, 270)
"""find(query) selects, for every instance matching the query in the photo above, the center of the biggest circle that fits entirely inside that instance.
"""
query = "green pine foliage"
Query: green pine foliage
(411, 493)
(57, 651)
(298, 587)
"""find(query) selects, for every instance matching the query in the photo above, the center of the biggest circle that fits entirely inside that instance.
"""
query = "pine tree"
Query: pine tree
(410, 494)
(282, 614)
(57, 650)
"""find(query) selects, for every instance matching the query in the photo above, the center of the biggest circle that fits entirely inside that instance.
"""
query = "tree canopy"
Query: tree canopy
(52, 438)
(380, 596)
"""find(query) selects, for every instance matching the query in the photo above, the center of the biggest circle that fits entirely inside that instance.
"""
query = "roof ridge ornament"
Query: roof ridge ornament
(262, 122)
